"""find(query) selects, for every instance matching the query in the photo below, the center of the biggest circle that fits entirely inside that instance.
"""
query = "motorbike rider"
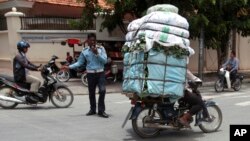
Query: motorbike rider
(232, 65)
(21, 67)
(194, 99)
(69, 58)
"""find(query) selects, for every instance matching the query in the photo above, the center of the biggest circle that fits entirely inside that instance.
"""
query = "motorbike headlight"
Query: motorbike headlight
(49, 69)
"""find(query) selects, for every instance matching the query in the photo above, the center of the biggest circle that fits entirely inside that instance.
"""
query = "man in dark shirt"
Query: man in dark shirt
(21, 67)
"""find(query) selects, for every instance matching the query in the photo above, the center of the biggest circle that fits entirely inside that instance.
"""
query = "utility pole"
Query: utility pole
(201, 53)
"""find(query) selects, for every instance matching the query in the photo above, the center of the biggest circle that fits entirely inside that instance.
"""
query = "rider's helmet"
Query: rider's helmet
(21, 45)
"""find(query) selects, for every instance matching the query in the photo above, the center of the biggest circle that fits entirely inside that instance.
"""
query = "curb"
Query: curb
(205, 84)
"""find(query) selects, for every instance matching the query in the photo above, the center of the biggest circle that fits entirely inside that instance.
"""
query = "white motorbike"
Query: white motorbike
(225, 82)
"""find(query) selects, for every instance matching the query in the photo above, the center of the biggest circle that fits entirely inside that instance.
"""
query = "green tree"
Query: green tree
(218, 17)
(87, 18)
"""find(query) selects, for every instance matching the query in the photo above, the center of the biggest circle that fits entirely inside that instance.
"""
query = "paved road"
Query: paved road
(46, 123)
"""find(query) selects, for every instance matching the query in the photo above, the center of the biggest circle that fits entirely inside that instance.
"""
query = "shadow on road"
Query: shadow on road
(37, 108)
(169, 135)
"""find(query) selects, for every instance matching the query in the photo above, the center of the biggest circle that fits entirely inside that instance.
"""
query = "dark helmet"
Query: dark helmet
(22, 44)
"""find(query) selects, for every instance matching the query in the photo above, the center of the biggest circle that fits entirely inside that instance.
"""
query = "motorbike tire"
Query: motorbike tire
(237, 85)
(63, 76)
(84, 79)
(219, 86)
(7, 91)
(142, 117)
(204, 126)
(58, 97)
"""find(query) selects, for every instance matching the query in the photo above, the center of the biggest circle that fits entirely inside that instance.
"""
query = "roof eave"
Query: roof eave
(10, 4)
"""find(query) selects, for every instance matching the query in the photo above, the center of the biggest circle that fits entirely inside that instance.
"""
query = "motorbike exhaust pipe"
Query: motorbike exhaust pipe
(157, 126)
(10, 99)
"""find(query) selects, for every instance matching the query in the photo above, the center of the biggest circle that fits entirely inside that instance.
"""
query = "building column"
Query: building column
(13, 24)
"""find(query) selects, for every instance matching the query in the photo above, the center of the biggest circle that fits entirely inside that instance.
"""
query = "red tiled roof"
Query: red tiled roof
(102, 3)
(60, 2)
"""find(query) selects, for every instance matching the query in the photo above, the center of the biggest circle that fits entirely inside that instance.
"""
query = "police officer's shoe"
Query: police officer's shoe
(90, 113)
(103, 114)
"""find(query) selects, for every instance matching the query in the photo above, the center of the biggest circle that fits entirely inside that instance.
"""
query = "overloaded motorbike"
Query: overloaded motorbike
(12, 94)
(225, 82)
(150, 115)
(110, 71)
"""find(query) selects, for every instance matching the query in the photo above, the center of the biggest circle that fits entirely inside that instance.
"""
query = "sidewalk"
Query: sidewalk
(78, 89)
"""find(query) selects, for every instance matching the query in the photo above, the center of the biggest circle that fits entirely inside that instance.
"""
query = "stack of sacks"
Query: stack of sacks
(156, 53)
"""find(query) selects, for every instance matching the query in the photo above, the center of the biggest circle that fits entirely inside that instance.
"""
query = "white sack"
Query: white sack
(163, 8)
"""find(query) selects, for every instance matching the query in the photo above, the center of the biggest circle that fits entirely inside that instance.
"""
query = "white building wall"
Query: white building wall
(243, 52)
(4, 45)
(41, 52)
(193, 60)
(4, 50)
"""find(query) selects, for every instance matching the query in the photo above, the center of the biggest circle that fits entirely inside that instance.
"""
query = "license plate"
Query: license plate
(130, 95)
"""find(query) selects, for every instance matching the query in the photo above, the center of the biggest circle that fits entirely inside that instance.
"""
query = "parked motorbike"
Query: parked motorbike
(12, 94)
(55, 71)
(150, 115)
(110, 71)
(53, 68)
(63, 75)
(225, 82)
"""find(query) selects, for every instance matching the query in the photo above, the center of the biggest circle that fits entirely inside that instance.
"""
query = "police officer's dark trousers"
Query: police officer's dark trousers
(96, 79)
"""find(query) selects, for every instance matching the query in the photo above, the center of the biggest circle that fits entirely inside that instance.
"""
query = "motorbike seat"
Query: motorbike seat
(7, 77)
(24, 85)
(10, 78)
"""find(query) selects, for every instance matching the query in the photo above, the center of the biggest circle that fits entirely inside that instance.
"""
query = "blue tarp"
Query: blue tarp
(166, 74)
(133, 72)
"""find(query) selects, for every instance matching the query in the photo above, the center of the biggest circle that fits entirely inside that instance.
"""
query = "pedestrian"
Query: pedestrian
(96, 58)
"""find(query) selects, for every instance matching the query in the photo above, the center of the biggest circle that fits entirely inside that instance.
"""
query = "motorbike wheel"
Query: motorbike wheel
(62, 97)
(237, 84)
(216, 120)
(6, 91)
(84, 79)
(112, 79)
(139, 122)
(219, 86)
(63, 76)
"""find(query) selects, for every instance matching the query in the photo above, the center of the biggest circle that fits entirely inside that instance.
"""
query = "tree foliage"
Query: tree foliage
(87, 18)
(219, 18)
